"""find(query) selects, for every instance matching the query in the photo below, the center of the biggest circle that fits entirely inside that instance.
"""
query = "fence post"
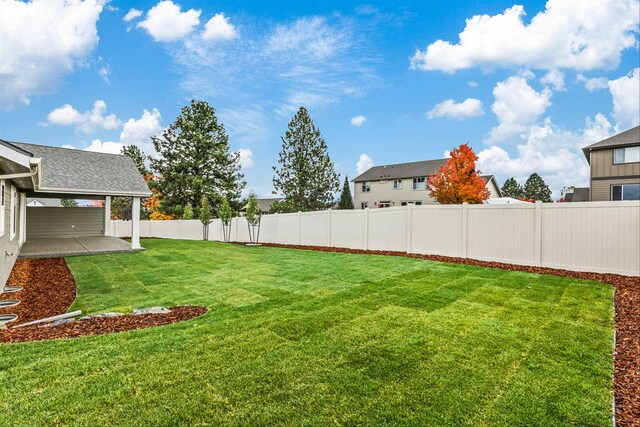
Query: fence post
(409, 223)
(299, 227)
(366, 228)
(329, 227)
(537, 234)
(465, 215)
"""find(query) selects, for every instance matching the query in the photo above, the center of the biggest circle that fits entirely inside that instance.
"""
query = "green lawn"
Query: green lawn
(312, 338)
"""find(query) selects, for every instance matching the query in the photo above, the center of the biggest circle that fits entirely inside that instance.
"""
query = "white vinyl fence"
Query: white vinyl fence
(590, 236)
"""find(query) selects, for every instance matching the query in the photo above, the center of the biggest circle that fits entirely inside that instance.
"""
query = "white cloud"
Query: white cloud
(245, 124)
(312, 37)
(551, 152)
(581, 35)
(626, 100)
(364, 163)
(516, 105)
(104, 72)
(592, 84)
(219, 28)
(165, 22)
(555, 79)
(135, 132)
(246, 158)
(86, 122)
(105, 147)
(132, 14)
(62, 35)
(470, 107)
(472, 83)
(358, 121)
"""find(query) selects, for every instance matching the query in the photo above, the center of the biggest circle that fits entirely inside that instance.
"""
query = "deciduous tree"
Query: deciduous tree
(194, 161)
(458, 181)
(305, 176)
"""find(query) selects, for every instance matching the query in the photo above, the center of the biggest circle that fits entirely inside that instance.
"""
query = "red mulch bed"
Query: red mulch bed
(626, 383)
(49, 290)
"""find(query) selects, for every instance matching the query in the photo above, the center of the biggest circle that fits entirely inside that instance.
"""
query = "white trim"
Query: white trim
(92, 192)
(14, 156)
(23, 218)
(12, 214)
(3, 197)
(135, 223)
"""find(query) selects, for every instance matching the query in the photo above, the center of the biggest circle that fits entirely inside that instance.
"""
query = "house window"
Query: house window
(418, 183)
(625, 192)
(410, 203)
(397, 184)
(386, 204)
(13, 215)
(626, 155)
(2, 207)
(366, 186)
(364, 205)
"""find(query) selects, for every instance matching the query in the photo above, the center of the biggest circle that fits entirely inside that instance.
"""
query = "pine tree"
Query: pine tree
(69, 203)
(536, 189)
(346, 201)
(458, 181)
(138, 157)
(306, 175)
(194, 161)
(511, 188)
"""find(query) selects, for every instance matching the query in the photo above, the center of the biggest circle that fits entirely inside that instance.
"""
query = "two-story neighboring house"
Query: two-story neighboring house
(401, 184)
(615, 167)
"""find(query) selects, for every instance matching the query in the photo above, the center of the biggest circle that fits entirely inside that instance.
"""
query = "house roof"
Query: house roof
(580, 194)
(628, 137)
(401, 170)
(265, 204)
(70, 171)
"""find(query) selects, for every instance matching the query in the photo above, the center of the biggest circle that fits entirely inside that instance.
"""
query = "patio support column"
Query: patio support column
(135, 223)
(107, 216)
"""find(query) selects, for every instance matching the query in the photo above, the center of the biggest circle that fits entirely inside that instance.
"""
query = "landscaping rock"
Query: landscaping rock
(99, 315)
(150, 310)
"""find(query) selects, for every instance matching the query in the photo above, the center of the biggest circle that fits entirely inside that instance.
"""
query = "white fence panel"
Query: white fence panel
(597, 236)
(502, 233)
(288, 226)
(436, 230)
(314, 228)
(268, 229)
(241, 229)
(348, 229)
(387, 229)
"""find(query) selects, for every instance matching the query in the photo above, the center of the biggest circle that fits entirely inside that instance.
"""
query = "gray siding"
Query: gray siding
(64, 222)
(9, 248)
(602, 166)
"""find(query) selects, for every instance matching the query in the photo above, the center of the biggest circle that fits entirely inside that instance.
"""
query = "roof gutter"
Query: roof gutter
(33, 172)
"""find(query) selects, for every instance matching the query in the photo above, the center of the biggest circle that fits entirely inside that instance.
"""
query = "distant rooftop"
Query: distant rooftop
(401, 170)
(628, 137)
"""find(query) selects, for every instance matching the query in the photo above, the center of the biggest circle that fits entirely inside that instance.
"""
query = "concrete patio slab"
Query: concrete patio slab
(70, 246)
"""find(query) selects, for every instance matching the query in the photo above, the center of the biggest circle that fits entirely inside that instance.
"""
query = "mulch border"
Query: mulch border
(626, 378)
(49, 289)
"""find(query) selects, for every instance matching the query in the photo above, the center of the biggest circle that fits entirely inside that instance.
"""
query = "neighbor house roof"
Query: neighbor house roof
(628, 137)
(401, 170)
(71, 171)
(265, 204)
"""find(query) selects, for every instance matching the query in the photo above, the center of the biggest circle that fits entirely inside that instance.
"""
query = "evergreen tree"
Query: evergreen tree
(346, 201)
(536, 189)
(194, 161)
(138, 157)
(511, 188)
(306, 175)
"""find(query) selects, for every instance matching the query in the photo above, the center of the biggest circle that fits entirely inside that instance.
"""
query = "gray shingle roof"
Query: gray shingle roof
(401, 170)
(265, 204)
(628, 137)
(65, 170)
(580, 194)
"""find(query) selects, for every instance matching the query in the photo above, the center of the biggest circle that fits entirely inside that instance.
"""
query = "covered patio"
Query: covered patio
(70, 246)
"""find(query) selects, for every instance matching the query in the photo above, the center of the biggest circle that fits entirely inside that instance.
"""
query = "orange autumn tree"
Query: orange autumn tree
(151, 203)
(458, 181)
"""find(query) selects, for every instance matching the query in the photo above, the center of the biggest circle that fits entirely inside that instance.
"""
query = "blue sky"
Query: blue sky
(527, 84)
